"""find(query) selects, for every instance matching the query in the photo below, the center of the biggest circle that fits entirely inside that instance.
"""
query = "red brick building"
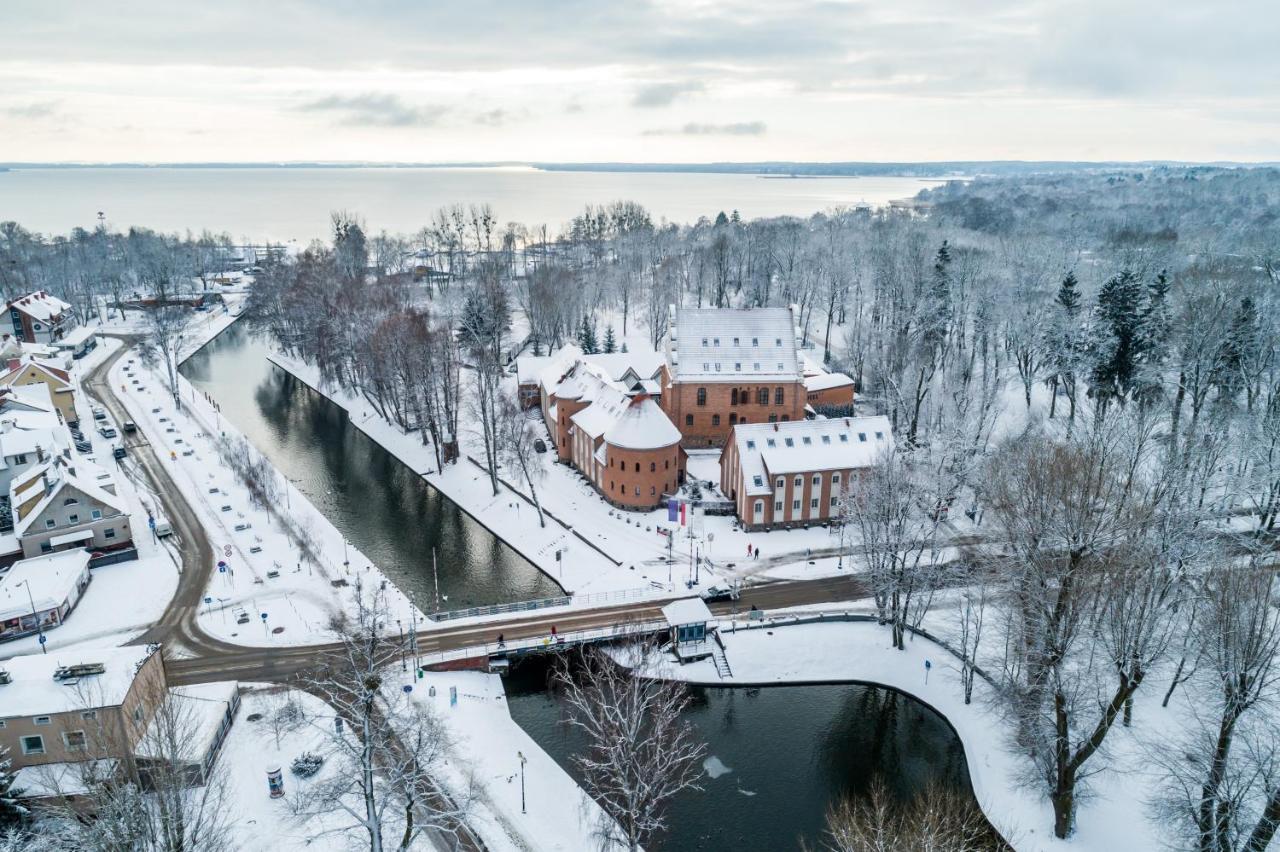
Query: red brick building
(794, 474)
(606, 421)
(724, 367)
(828, 389)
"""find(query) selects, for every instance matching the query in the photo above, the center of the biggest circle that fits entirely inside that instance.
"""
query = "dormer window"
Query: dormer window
(826, 439)
(717, 366)
(862, 436)
(737, 366)
(844, 439)
(806, 440)
(779, 341)
(751, 445)
(735, 341)
(790, 442)
(755, 341)
(704, 341)
(716, 341)
(756, 366)
(771, 442)
(879, 436)
(758, 481)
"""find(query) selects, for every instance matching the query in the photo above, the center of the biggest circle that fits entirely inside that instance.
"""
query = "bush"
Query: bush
(306, 764)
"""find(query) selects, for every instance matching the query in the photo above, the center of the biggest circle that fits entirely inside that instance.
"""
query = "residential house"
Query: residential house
(58, 380)
(63, 504)
(828, 390)
(40, 318)
(794, 474)
(38, 594)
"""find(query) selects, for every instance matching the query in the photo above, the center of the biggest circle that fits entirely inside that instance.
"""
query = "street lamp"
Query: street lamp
(404, 665)
(523, 761)
(35, 617)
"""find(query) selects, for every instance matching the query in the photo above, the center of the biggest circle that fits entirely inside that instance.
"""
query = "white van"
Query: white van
(163, 528)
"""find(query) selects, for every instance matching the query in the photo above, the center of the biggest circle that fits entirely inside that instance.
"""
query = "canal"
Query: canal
(779, 757)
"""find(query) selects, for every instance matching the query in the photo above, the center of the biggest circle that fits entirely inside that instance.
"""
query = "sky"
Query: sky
(638, 81)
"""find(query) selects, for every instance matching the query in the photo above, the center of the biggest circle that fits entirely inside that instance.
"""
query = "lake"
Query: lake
(293, 204)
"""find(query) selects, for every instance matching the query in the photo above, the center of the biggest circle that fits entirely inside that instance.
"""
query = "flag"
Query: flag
(683, 514)
(673, 509)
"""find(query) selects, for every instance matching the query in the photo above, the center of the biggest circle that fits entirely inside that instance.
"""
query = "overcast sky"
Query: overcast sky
(639, 80)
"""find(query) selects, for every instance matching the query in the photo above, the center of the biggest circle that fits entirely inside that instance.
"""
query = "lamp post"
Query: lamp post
(404, 665)
(523, 761)
(35, 617)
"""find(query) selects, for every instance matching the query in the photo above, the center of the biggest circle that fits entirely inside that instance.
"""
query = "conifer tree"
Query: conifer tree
(587, 336)
(610, 342)
(1116, 346)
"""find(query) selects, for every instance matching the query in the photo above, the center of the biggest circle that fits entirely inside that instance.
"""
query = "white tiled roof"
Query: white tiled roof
(727, 345)
(801, 446)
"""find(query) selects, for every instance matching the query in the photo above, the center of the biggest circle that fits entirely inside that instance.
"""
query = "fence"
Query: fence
(533, 644)
(591, 599)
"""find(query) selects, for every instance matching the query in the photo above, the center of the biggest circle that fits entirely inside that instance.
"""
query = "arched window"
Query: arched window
(733, 397)
(777, 396)
(653, 466)
(702, 396)
(762, 396)
(715, 420)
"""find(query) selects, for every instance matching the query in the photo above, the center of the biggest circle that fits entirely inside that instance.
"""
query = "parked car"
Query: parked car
(242, 615)
(163, 528)
(720, 593)
(118, 453)
(130, 426)
(106, 432)
(99, 415)
(84, 446)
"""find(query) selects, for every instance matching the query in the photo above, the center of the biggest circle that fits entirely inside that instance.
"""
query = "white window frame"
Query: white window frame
(32, 751)
(41, 720)
(66, 741)
(759, 510)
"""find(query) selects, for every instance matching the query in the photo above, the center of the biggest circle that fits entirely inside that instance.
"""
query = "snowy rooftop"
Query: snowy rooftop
(722, 345)
(642, 426)
(40, 305)
(827, 381)
(200, 709)
(686, 611)
(82, 476)
(33, 691)
(809, 445)
(47, 780)
(77, 336)
(41, 583)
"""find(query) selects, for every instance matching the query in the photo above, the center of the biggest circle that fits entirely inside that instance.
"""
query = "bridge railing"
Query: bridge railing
(544, 642)
(589, 599)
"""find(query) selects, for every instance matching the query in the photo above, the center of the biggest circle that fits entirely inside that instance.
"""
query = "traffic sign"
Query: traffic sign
(208, 600)
(43, 638)
(226, 550)
(264, 616)
(222, 568)
(408, 687)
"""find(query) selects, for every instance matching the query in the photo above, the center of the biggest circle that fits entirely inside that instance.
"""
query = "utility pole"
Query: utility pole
(35, 617)
(435, 574)
(523, 761)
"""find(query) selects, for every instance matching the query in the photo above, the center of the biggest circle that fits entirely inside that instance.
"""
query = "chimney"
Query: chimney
(48, 486)
(5, 426)
(14, 363)
(39, 449)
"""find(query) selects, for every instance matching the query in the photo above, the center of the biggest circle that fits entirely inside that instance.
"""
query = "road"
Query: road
(193, 656)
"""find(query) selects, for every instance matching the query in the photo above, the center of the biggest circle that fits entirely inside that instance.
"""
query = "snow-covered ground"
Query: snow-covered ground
(635, 554)
(263, 572)
(557, 815)
(124, 599)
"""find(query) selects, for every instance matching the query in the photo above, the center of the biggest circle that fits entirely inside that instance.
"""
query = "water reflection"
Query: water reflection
(791, 752)
(383, 507)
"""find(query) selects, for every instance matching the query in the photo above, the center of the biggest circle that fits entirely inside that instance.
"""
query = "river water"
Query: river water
(789, 752)
(293, 204)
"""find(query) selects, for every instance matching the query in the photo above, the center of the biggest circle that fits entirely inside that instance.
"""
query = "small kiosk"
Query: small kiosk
(688, 619)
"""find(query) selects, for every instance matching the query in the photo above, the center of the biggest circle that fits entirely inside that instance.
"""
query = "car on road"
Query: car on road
(118, 453)
(99, 414)
(106, 431)
(84, 447)
(130, 426)
(715, 594)
(163, 528)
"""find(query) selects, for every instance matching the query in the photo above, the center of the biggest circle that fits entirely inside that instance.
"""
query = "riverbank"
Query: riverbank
(576, 564)
(790, 650)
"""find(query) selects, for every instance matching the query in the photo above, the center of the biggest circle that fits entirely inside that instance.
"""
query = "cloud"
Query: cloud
(737, 128)
(493, 118)
(663, 94)
(374, 110)
(44, 109)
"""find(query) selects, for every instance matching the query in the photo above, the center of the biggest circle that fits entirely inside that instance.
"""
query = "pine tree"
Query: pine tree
(1064, 344)
(1068, 297)
(939, 311)
(610, 342)
(587, 336)
(1116, 347)
(1152, 349)
(11, 809)
(1241, 337)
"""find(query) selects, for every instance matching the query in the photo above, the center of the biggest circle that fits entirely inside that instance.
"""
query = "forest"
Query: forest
(1086, 362)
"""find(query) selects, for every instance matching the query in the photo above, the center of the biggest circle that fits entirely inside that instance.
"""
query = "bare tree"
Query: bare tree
(387, 763)
(639, 752)
(516, 437)
(935, 820)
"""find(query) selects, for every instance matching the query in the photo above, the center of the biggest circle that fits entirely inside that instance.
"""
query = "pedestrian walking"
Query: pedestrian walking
(748, 550)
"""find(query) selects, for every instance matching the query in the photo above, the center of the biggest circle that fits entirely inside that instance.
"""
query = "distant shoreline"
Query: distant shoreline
(775, 169)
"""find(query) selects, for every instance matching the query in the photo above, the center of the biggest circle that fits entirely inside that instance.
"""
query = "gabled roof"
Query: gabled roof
(40, 305)
(730, 345)
(61, 476)
(41, 583)
(803, 446)
(827, 381)
(54, 376)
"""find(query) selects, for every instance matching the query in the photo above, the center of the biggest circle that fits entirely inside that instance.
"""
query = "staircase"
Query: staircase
(721, 662)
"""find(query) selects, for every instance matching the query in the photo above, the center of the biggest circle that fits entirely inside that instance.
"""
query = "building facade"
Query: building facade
(723, 367)
(784, 475)
(40, 318)
(62, 505)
